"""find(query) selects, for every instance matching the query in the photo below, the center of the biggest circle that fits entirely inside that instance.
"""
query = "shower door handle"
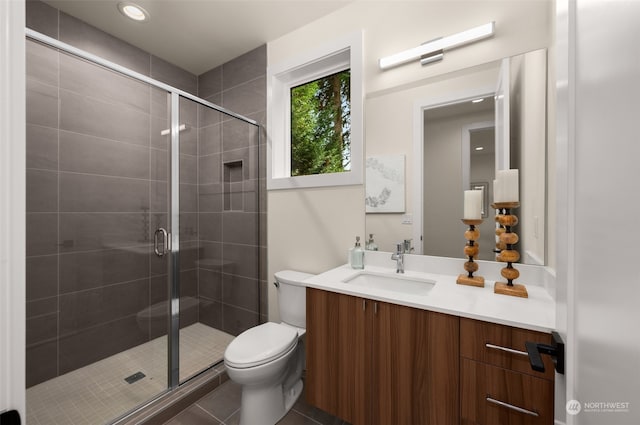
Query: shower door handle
(161, 250)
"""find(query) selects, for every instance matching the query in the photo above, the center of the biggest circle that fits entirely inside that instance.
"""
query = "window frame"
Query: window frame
(338, 55)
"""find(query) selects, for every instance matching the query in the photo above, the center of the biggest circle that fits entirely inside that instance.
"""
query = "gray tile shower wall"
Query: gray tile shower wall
(231, 194)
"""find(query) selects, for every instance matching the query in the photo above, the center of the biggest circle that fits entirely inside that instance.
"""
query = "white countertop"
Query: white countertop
(535, 313)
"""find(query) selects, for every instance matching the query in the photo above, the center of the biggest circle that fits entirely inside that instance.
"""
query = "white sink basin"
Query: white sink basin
(392, 282)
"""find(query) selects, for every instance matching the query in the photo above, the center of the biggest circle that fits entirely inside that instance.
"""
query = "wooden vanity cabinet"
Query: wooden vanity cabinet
(497, 383)
(370, 362)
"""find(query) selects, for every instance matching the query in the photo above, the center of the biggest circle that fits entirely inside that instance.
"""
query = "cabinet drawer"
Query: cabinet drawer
(502, 346)
(492, 395)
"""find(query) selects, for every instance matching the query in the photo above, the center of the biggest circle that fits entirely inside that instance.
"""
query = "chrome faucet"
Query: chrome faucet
(407, 246)
(399, 257)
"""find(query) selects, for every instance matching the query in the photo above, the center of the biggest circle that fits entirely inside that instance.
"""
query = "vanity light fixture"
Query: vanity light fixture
(433, 50)
(133, 11)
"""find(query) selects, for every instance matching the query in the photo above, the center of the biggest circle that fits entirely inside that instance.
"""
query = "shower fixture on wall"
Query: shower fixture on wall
(167, 131)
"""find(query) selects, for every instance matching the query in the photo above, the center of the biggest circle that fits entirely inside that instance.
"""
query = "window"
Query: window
(315, 118)
(321, 125)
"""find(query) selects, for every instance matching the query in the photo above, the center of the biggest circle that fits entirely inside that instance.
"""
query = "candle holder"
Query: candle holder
(507, 239)
(471, 250)
(499, 231)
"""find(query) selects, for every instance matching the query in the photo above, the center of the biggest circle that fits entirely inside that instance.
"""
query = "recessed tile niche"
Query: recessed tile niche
(233, 190)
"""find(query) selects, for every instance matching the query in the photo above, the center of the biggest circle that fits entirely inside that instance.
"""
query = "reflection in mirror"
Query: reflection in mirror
(447, 129)
(458, 152)
(449, 137)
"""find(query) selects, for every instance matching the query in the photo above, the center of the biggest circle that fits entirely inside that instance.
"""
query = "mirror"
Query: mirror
(438, 127)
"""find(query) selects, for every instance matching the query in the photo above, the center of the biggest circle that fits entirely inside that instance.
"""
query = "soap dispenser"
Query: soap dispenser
(371, 245)
(356, 255)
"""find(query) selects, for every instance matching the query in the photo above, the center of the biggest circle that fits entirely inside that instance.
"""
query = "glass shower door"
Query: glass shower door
(219, 233)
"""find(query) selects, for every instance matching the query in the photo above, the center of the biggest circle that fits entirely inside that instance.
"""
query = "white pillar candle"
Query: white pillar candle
(498, 196)
(509, 182)
(472, 204)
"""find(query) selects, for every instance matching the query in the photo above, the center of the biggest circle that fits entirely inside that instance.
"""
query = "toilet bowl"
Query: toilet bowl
(268, 360)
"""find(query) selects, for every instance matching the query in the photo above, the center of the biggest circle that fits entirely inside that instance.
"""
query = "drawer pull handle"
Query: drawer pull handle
(508, 350)
(512, 407)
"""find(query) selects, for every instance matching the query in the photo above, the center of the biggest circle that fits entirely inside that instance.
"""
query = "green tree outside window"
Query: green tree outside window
(321, 126)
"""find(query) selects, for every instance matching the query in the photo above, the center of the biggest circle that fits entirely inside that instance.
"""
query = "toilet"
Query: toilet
(267, 360)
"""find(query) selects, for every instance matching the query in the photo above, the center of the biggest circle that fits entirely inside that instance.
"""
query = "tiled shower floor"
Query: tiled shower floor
(98, 393)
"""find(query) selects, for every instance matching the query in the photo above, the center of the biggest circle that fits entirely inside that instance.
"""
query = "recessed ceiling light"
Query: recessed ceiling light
(133, 11)
(479, 148)
(477, 100)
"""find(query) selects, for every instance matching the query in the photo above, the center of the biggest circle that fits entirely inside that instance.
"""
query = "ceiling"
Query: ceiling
(480, 138)
(198, 35)
(458, 109)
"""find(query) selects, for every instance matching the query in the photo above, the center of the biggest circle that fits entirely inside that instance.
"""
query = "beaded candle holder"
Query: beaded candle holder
(508, 254)
(471, 251)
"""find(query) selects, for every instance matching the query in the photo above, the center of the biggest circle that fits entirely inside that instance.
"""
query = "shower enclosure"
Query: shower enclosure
(143, 235)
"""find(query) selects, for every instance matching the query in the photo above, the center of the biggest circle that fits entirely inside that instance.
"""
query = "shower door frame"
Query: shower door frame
(174, 172)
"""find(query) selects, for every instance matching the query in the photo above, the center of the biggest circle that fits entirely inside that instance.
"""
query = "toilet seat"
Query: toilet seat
(260, 345)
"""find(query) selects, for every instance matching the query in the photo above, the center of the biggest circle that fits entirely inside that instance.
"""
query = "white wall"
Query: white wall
(389, 27)
(529, 72)
(599, 288)
(12, 206)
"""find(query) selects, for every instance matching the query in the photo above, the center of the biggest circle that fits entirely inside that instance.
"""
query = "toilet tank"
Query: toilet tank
(292, 297)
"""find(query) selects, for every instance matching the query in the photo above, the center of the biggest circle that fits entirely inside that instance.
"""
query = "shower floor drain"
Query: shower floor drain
(135, 377)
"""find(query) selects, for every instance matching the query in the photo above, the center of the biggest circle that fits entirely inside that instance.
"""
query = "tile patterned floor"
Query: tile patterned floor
(222, 407)
(98, 393)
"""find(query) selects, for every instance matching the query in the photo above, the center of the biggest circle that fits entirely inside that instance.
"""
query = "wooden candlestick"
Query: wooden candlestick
(499, 231)
(471, 250)
(508, 238)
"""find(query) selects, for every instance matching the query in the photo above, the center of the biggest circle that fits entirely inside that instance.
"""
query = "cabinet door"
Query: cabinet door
(416, 360)
(338, 355)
